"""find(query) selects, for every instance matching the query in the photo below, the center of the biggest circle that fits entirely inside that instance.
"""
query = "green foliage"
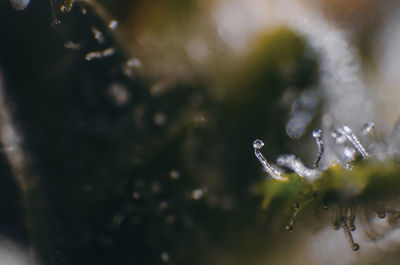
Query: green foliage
(366, 184)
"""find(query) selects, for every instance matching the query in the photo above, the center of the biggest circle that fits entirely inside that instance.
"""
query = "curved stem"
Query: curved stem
(297, 166)
(320, 147)
(258, 144)
(352, 138)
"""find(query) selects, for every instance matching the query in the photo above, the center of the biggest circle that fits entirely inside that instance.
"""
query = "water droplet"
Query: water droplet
(355, 247)
(369, 128)
(119, 93)
(135, 195)
(295, 128)
(258, 144)
(165, 256)
(93, 55)
(72, 45)
(197, 194)
(160, 118)
(130, 65)
(349, 153)
(67, 6)
(100, 54)
(113, 24)
(134, 62)
(108, 52)
(55, 22)
(163, 205)
(174, 174)
(272, 171)
(339, 138)
(289, 228)
(316, 133)
(308, 99)
(98, 35)
(19, 4)
(302, 112)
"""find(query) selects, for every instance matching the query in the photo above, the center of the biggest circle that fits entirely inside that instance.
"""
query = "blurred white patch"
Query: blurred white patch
(165, 256)
(239, 21)
(174, 174)
(341, 80)
(330, 246)
(72, 45)
(387, 78)
(12, 254)
(160, 118)
(119, 92)
(344, 92)
(197, 194)
(387, 50)
(113, 24)
(197, 50)
(160, 87)
(98, 35)
(100, 54)
(301, 113)
(134, 62)
(130, 66)
(19, 4)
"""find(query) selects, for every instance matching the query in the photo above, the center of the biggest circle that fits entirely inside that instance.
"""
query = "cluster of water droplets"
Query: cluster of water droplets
(345, 145)
(102, 48)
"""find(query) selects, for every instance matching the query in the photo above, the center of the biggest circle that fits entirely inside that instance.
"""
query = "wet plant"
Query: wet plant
(363, 176)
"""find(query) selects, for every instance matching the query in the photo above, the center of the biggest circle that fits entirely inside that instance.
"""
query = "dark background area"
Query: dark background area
(104, 169)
